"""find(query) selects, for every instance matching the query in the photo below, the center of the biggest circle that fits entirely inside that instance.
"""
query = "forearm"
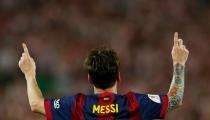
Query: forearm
(28, 67)
(35, 97)
(176, 90)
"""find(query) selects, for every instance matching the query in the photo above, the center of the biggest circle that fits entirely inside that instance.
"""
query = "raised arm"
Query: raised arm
(28, 67)
(179, 56)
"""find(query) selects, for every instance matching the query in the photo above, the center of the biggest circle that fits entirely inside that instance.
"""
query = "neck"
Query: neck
(112, 90)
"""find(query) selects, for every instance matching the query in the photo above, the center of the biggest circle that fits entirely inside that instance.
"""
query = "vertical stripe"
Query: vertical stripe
(123, 112)
(164, 106)
(134, 107)
(103, 102)
(90, 102)
(77, 112)
(48, 112)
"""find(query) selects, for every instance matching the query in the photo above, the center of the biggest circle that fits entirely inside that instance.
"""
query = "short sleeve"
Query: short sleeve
(59, 109)
(153, 106)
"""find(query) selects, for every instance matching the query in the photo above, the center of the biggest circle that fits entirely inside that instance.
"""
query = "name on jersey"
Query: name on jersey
(105, 109)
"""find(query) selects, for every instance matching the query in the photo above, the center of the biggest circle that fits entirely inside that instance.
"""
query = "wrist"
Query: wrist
(30, 76)
(179, 68)
(179, 63)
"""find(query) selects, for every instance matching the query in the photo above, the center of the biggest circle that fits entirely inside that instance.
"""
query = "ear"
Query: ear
(119, 77)
(89, 79)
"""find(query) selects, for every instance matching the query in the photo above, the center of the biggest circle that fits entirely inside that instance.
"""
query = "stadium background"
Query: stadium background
(59, 34)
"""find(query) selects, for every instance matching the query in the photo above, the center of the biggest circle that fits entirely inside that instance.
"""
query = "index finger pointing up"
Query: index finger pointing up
(25, 49)
(176, 40)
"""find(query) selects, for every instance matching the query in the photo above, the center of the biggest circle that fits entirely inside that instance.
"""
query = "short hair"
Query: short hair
(102, 65)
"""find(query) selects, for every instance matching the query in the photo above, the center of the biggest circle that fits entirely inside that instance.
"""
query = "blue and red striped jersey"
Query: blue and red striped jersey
(107, 106)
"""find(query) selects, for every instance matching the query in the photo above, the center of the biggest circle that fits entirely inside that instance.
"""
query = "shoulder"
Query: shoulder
(144, 97)
(134, 94)
(69, 99)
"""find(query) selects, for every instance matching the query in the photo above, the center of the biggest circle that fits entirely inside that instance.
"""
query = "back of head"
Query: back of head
(102, 65)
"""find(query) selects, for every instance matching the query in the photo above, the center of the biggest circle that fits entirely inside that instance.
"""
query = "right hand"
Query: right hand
(179, 52)
(26, 63)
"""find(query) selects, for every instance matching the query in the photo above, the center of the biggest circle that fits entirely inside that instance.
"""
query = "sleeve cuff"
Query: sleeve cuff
(164, 106)
(47, 107)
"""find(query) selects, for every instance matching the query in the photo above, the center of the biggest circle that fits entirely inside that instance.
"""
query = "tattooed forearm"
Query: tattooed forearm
(176, 90)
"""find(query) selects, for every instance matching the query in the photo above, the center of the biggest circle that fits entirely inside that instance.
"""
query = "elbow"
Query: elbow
(174, 102)
(33, 109)
(34, 106)
(37, 105)
(180, 103)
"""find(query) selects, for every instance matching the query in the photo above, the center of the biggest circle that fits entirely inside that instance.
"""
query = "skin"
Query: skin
(179, 56)
(28, 67)
(175, 94)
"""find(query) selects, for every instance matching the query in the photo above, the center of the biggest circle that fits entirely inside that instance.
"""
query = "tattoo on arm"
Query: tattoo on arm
(176, 90)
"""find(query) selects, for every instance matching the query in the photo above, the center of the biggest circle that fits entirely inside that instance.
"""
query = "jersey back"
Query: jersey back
(107, 106)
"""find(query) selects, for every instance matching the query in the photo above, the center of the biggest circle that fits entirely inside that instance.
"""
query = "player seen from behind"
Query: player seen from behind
(105, 104)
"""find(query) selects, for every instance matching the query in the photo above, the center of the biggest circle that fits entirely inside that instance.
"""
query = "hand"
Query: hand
(26, 63)
(179, 52)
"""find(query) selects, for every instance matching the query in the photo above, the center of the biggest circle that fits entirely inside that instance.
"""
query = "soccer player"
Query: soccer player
(105, 104)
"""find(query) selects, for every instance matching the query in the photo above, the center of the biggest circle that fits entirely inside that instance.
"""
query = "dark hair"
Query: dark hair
(102, 65)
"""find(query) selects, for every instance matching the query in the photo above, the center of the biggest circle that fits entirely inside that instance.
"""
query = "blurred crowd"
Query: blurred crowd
(59, 34)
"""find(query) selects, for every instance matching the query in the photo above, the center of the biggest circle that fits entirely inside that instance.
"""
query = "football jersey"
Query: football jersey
(107, 106)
